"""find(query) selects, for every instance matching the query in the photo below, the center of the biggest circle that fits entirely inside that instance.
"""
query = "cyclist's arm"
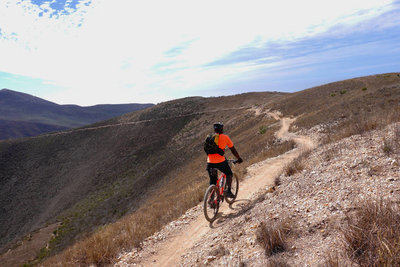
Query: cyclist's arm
(236, 154)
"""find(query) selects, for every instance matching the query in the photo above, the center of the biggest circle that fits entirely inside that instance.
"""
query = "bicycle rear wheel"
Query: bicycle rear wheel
(211, 203)
(234, 189)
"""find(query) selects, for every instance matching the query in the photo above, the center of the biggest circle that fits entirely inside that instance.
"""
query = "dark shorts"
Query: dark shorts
(223, 167)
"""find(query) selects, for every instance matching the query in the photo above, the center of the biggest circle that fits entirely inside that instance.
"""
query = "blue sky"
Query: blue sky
(89, 52)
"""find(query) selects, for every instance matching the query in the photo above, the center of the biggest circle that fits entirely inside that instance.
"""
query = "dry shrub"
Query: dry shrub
(293, 167)
(372, 236)
(277, 263)
(391, 144)
(273, 237)
(362, 124)
(219, 251)
(297, 165)
(332, 260)
(387, 146)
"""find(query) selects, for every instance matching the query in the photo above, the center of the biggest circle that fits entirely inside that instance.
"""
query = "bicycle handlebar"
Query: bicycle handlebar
(234, 161)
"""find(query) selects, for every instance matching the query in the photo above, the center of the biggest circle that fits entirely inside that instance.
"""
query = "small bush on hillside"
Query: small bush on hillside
(364, 89)
(273, 236)
(333, 94)
(372, 236)
(262, 129)
(392, 144)
(219, 251)
(297, 165)
(387, 147)
(343, 92)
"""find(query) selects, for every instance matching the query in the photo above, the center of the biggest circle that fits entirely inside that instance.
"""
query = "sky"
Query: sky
(89, 52)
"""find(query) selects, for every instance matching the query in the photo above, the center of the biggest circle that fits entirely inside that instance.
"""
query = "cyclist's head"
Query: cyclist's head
(218, 127)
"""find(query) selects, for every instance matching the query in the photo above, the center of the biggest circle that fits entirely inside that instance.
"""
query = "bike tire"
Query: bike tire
(234, 189)
(209, 212)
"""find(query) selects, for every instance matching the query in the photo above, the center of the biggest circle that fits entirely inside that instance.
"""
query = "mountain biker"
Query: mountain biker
(216, 161)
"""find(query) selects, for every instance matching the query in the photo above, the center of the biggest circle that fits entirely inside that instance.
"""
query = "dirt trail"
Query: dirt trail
(261, 177)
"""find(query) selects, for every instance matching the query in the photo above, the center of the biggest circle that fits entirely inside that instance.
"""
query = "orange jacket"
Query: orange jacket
(222, 141)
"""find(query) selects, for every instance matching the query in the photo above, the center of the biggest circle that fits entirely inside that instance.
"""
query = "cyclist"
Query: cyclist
(216, 161)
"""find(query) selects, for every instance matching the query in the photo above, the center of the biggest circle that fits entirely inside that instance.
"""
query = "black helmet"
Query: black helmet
(218, 127)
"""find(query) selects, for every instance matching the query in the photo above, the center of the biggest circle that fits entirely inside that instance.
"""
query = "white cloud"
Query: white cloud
(120, 41)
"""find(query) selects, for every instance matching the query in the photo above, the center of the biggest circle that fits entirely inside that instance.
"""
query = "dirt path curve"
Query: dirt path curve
(261, 177)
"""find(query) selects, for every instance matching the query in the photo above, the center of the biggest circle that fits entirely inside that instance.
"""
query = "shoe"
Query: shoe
(229, 194)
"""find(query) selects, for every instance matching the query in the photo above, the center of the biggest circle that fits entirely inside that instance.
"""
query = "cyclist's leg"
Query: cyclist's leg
(224, 167)
(212, 172)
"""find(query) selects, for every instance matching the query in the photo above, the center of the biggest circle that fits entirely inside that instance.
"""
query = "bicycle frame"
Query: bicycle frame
(215, 194)
(221, 182)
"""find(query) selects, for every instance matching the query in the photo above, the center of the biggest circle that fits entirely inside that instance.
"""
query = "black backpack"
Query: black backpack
(210, 147)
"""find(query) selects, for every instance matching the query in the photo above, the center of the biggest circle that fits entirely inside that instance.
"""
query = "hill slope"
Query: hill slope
(25, 115)
(150, 163)
(316, 204)
(94, 175)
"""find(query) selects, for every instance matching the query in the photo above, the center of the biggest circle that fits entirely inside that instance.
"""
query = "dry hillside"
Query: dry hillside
(145, 169)
(312, 217)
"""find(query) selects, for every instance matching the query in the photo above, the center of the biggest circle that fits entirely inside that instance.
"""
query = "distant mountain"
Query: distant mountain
(24, 115)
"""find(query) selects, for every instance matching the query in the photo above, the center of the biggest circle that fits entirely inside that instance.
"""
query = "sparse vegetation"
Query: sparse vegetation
(333, 94)
(391, 144)
(364, 89)
(362, 123)
(332, 260)
(262, 129)
(103, 246)
(272, 262)
(372, 235)
(297, 165)
(219, 251)
(342, 92)
(387, 147)
(273, 149)
(273, 236)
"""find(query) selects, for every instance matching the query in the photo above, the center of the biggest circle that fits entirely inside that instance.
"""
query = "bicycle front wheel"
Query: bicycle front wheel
(234, 189)
(211, 203)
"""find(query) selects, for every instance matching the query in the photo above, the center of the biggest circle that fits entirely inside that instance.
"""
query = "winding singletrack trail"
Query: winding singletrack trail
(261, 176)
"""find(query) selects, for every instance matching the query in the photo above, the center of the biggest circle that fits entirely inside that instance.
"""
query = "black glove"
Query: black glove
(239, 160)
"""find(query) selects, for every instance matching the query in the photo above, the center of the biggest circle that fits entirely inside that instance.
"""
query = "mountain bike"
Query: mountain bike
(215, 194)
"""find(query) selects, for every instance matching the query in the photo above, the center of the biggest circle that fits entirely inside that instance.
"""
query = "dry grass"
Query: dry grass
(273, 149)
(102, 247)
(277, 263)
(294, 167)
(332, 260)
(297, 165)
(391, 144)
(219, 251)
(273, 237)
(362, 124)
(372, 235)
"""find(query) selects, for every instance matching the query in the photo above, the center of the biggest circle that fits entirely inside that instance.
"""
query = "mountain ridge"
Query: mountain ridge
(23, 115)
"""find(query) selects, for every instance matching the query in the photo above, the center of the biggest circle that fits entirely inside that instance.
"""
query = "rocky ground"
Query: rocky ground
(336, 178)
